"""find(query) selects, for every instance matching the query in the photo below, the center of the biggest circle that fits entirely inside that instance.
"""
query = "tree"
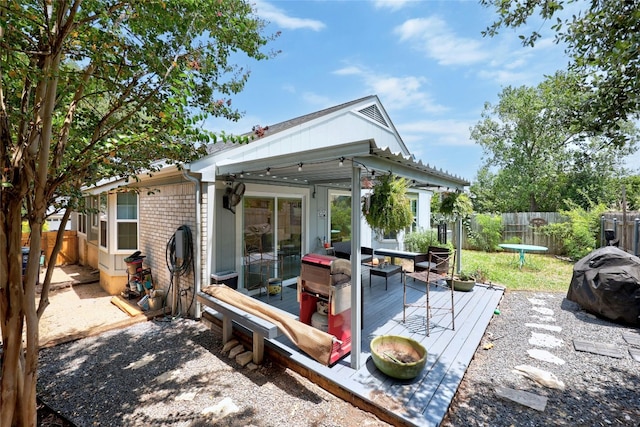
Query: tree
(602, 42)
(94, 89)
(538, 152)
(631, 186)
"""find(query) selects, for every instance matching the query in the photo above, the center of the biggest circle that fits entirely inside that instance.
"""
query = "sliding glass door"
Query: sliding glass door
(272, 239)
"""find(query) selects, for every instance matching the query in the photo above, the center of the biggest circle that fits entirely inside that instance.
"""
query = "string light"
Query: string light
(341, 161)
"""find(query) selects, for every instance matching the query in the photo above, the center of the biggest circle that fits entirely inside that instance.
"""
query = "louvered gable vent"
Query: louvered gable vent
(373, 113)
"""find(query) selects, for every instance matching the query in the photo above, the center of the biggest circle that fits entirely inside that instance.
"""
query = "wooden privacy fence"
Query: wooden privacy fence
(526, 227)
(69, 251)
(621, 229)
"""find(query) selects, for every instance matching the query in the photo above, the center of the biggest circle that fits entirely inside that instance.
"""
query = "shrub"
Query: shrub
(489, 233)
(419, 241)
(579, 235)
(514, 240)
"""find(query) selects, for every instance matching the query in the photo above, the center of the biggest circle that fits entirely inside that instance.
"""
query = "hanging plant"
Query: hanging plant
(455, 205)
(388, 209)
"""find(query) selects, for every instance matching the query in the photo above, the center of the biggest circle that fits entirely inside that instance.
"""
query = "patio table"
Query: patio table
(384, 270)
(522, 249)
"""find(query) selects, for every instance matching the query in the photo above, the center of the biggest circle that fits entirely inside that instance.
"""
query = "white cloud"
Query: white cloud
(349, 71)
(403, 92)
(279, 17)
(390, 4)
(505, 77)
(433, 36)
(396, 92)
(449, 132)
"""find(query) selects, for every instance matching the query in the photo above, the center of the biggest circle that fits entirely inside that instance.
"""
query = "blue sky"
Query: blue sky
(425, 59)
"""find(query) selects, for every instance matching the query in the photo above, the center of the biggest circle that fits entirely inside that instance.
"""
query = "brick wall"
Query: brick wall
(161, 214)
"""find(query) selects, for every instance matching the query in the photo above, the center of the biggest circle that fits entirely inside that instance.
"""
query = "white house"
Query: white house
(278, 195)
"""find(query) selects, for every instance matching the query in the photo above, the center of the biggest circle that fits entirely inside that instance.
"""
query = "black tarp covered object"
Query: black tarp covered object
(607, 283)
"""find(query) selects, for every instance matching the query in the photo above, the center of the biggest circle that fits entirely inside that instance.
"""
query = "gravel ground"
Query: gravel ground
(599, 390)
(173, 373)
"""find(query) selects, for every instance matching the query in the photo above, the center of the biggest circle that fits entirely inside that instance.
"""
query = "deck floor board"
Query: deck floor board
(426, 398)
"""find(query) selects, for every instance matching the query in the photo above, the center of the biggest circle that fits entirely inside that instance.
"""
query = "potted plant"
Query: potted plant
(388, 209)
(466, 280)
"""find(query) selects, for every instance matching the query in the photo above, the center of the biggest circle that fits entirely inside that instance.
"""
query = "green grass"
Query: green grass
(540, 272)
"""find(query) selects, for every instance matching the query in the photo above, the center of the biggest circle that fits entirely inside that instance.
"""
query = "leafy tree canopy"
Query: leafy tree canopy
(94, 89)
(602, 41)
(535, 157)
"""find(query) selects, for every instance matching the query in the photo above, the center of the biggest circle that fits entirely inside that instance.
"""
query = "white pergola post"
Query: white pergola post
(356, 268)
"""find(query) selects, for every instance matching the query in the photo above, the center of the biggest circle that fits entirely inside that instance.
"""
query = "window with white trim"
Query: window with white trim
(104, 241)
(413, 198)
(127, 221)
(82, 222)
(92, 235)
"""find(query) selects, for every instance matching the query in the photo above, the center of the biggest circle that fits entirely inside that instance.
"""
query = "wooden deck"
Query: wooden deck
(424, 400)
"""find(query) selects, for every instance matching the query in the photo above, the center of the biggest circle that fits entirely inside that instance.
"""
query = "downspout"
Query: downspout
(197, 274)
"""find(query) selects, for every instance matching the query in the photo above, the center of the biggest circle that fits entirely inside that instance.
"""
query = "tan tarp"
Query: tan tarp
(314, 342)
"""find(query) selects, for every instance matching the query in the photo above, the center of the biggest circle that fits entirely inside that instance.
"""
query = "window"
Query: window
(392, 235)
(340, 217)
(127, 221)
(414, 211)
(92, 204)
(82, 223)
(103, 221)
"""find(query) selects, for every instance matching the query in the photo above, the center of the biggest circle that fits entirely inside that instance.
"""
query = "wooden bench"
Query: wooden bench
(259, 327)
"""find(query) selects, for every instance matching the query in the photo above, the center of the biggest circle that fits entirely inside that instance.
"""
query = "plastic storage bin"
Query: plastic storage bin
(229, 278)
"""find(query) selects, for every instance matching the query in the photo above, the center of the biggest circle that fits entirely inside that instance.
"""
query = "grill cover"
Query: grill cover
(607, 283)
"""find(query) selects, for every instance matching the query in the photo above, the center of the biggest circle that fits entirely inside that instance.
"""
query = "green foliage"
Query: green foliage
(27, 229)
(93, 90)
(476, 275)
(580, 233)
(539, 156)
(341, 218)
(632, 191)
(603, 50)
(134, 85)
(489, 233)
(454, 205)
(420, 240)
(388, 209)
(513, 240)
(485, 196)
